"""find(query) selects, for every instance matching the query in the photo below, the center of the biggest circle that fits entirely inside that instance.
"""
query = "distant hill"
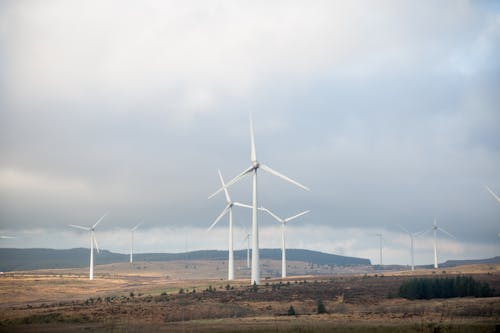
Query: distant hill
(453, 263)
(29, 259)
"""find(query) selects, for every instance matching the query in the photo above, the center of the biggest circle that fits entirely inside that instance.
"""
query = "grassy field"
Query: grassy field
(127, 299)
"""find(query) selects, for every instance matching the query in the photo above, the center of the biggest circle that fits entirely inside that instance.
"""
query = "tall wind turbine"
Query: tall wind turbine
(93, 241)
(228, 209)
(492, 193)
(283, 222)
(132, 241)
(412, 236)
(435, 229)
(255, 228)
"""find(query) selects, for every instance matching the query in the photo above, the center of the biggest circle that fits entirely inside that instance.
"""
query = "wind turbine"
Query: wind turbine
(247, 239)
(228, 209)
(435, 229)
(380, 243)
(255, 228)
(492, 193)
(93, 241)
(283, 222)
(412, 235)
(132, 242)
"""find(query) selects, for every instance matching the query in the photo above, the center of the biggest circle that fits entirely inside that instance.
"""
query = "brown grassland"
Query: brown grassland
(148, 297)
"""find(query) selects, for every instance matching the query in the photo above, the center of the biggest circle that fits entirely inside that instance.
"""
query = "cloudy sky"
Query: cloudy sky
(388, 111)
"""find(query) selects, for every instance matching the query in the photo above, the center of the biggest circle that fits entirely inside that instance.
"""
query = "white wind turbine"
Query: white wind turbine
(435, 229)
(283, 222)
(412, 237)
(380, 244)
(132, 241)
(255, 228)
(228, 209)
(93, 241)
(247, 239)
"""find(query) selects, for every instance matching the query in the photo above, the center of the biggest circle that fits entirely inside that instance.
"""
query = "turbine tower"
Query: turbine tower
(492, 193)
(255, 228)
(412, 236)
(435, 229)
(228, 209)
(132, 241)
(93, 241)
(283, 222)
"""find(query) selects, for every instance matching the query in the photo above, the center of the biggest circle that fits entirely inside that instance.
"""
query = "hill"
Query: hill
(12, 259)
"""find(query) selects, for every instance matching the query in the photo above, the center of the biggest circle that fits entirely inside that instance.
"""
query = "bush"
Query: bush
(291, 311)
(460, 286)
(320, 307)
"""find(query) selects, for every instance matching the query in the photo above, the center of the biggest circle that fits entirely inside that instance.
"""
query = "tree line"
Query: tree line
(459, 286)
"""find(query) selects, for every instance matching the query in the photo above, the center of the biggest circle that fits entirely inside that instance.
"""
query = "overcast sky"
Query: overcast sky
(387, 110)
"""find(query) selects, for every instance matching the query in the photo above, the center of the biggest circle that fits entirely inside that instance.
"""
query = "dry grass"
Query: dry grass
(61, 301)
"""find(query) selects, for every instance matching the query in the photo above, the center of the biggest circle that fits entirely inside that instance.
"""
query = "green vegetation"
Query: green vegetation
(460, 286)
(291, 311)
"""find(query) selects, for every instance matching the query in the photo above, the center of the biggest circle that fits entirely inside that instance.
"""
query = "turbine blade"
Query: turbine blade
(446, 232)
(96, 245)
(418, 233)
(224, 212)
(6, 237)
(137, 226)
(228, 198)
(272, 214)
(402, 228)
(295, 216)
(242, 205)
(99, 221)
(79, 227)
(232, 181)
(424, 232)
(276, 173)
(492, 193)
(253, 155)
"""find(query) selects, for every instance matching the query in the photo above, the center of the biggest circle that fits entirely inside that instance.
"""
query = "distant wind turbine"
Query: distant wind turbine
(132, 241)
(412, 236)
(283, 222)
(380, 244)
(93, 241)
(228, 209)
(255, 228)
(247, 239)
(492, 193)
(435, 229)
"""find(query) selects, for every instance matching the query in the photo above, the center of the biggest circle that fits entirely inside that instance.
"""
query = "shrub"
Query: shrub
(181, 291)
(460, 286)
(320, 307)
(291, 311)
